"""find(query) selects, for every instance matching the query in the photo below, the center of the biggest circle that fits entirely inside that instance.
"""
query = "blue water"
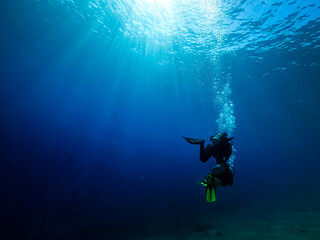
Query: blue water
(95, 97)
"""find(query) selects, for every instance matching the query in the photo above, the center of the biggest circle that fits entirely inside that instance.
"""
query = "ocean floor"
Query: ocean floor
(252, 224)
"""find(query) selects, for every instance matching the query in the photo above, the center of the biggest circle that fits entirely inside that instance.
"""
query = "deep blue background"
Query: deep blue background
(91, 143)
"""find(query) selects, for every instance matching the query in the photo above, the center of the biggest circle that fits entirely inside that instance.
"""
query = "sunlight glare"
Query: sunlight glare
(163, 3)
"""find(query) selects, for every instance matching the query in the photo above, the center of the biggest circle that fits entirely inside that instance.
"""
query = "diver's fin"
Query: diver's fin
(194, 140)
(210, 194)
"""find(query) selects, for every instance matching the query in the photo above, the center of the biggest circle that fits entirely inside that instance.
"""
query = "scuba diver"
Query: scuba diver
(221, 149)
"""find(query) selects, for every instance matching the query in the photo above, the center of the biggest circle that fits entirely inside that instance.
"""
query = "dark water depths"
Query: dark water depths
(96, 95)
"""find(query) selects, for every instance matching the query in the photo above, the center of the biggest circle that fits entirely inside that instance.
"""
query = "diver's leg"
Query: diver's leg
(206, 153)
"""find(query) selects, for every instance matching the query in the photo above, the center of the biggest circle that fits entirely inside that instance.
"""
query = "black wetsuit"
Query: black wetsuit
(224, 173)
(220, 150)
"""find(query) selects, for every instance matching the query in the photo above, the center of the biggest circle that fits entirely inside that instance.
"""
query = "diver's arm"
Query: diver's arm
(206, 153)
